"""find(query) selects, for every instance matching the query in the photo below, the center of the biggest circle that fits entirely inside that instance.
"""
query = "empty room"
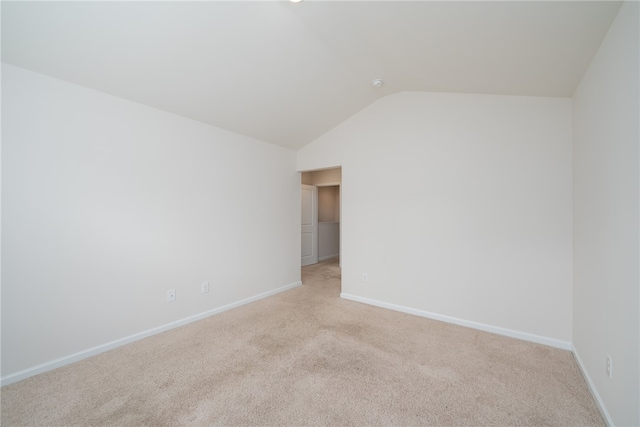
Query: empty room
(475, 258)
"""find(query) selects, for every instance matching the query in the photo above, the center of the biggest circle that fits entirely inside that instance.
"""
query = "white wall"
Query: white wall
(306, 178)
(107, 204)
(472, 217)
(328, 204)
(328, 240)
(606, 219)
(325, 176)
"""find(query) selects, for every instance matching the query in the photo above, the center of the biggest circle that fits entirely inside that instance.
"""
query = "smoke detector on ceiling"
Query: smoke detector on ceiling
(377, 82)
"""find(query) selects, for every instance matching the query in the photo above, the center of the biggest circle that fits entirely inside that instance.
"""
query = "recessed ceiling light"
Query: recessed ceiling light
(295, 1)
(377, 82)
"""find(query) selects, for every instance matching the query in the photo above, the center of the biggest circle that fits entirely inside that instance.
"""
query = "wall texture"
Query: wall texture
(606, 175)
(107, 204)
(471, 218)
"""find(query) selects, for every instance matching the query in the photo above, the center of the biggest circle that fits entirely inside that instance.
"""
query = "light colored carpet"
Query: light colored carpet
(306, 357)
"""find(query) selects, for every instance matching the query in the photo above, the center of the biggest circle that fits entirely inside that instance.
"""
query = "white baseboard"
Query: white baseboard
(461, 322)
(328, 257)
(57, 363)
(592, 388)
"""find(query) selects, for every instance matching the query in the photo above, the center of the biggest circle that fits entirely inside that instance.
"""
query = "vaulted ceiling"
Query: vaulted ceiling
(287, 73)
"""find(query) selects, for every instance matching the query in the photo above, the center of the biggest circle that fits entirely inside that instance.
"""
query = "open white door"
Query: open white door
(309, 224)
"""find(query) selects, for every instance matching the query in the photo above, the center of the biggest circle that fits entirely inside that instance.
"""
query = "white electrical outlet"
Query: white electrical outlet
(205, 287)
(365, 277)
(609, 367)
(171, 295)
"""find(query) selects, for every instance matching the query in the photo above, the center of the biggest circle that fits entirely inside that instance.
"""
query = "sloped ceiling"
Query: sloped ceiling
(287, 73)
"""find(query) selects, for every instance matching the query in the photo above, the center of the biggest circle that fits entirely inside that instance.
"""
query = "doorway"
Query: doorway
(321, 215)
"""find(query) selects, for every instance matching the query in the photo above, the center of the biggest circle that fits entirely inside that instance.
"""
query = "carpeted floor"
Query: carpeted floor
(306, 357)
